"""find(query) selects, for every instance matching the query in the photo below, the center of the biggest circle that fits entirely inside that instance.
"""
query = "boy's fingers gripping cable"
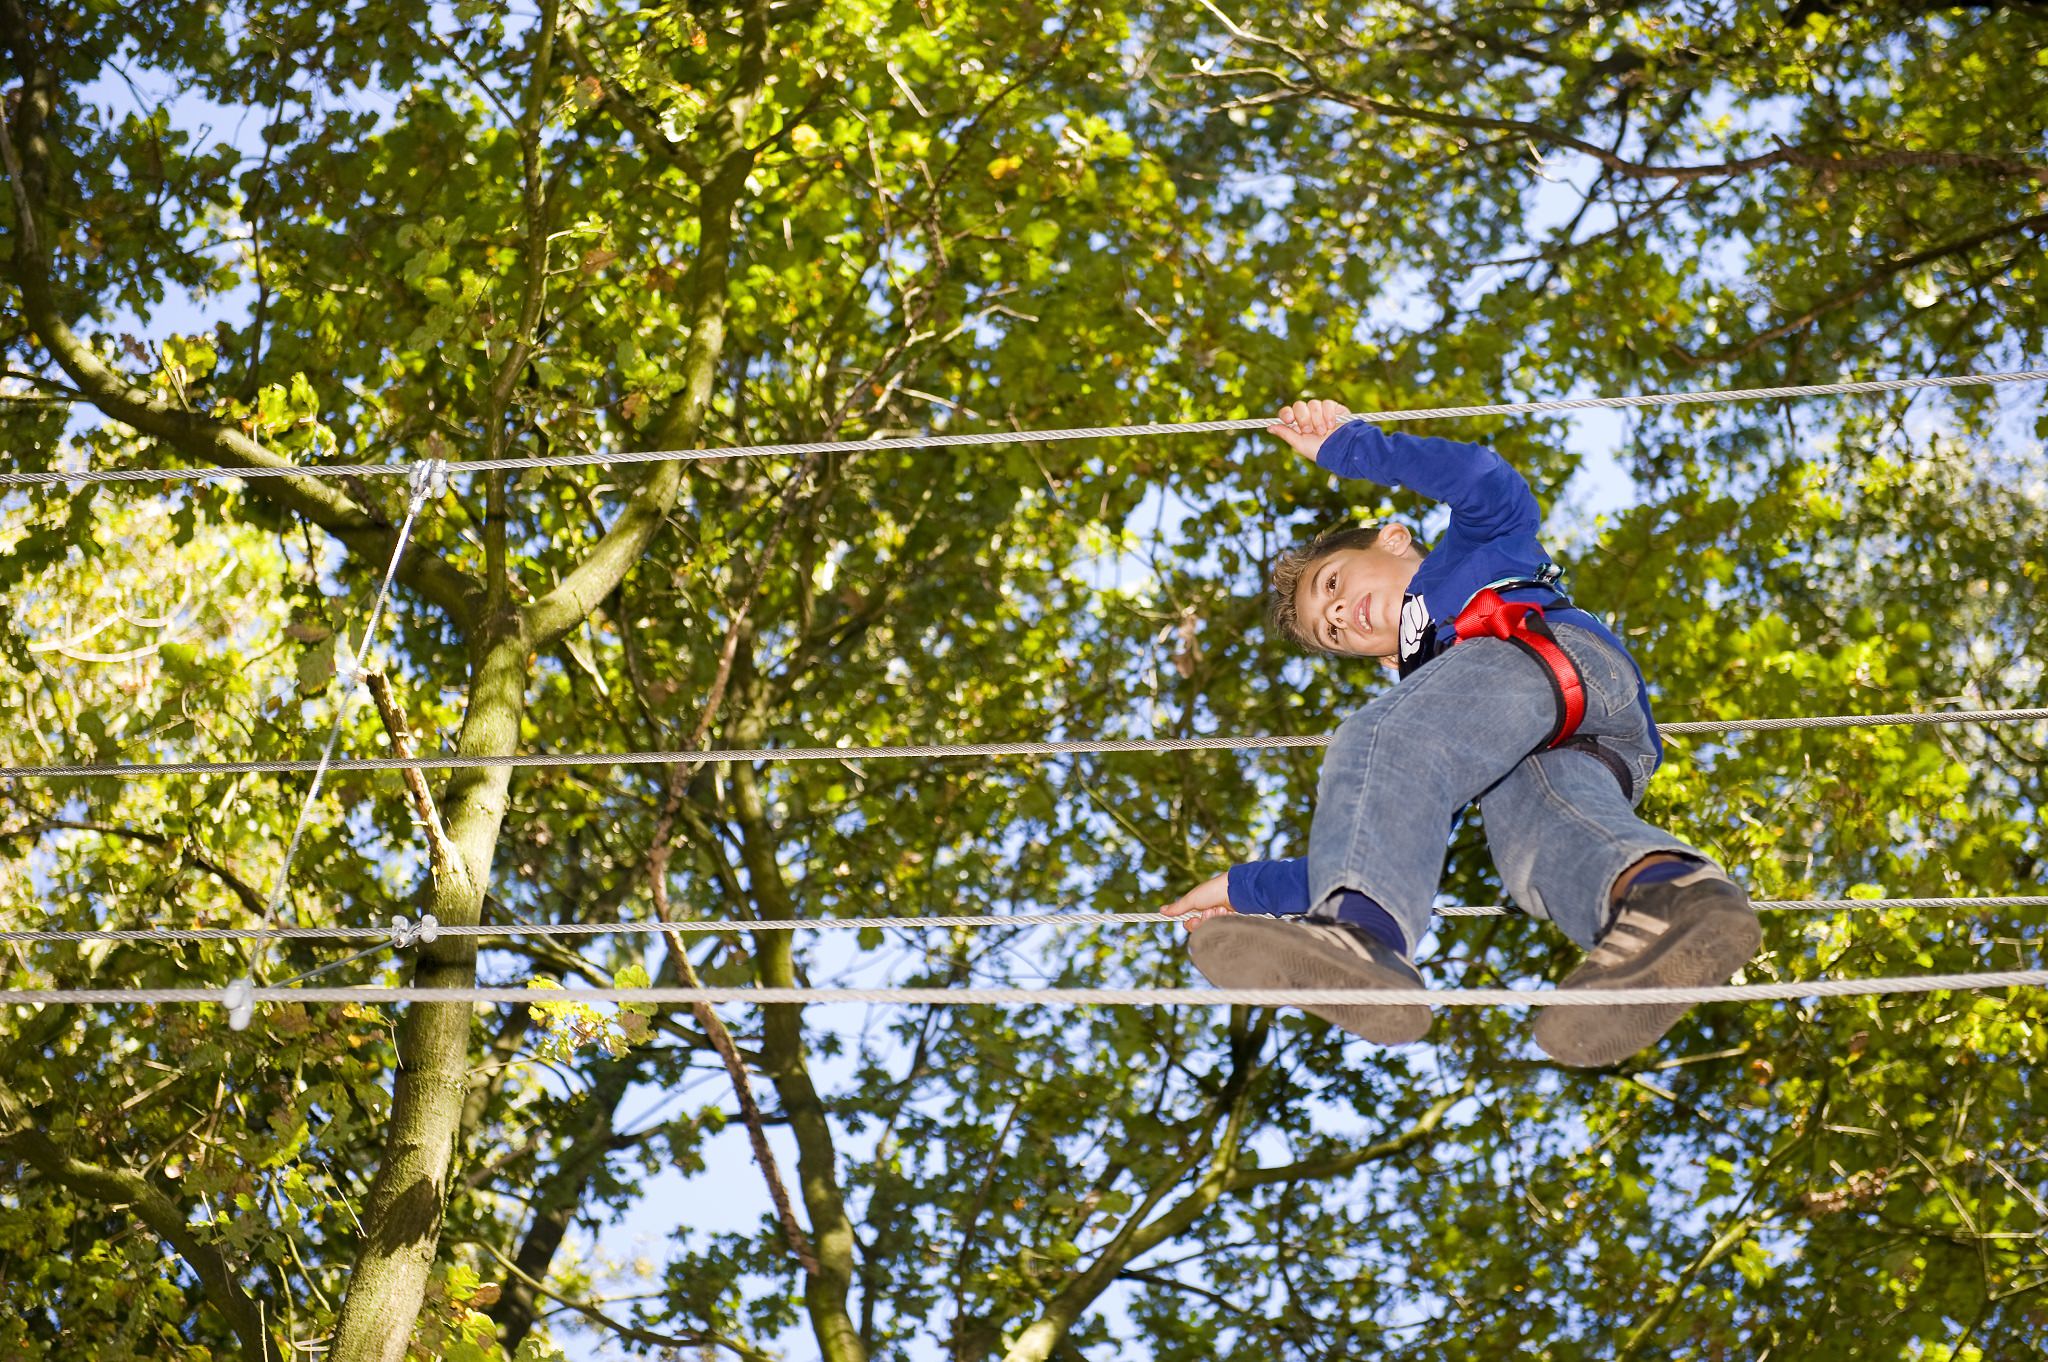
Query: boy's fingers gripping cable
(1294, 435)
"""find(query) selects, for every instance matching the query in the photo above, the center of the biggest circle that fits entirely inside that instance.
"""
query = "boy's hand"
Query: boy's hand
(1304, 425)
(1210, 898)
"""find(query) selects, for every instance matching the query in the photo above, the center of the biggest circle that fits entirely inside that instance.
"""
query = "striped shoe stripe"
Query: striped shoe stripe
(1631, 934)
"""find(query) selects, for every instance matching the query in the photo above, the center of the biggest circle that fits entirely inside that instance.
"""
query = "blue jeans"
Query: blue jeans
(1559, 826)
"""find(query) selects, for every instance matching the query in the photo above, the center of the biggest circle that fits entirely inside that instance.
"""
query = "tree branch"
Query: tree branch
(118, 1188)
(1883, 274)
(657, 874)
(682, 423)
(1141, 1231)
(631, 113)
(25, 150)
(626, 1332)
(243, 891)
(442, 853)
(1870, 161)
(1723, 1244)
(1320, 1170)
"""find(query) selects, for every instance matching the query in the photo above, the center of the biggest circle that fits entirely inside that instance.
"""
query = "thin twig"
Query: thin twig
(657, 873)
(445, 856)
(626, 1332)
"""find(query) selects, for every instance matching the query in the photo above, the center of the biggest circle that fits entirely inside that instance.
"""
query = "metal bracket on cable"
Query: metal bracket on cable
(406, 933)
(239, 997)
(428, 479)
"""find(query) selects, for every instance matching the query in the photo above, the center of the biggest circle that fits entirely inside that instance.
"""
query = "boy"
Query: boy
(1508, 694)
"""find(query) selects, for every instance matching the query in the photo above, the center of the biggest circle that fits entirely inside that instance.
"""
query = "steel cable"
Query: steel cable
(931, 751)
(1042, 997)
(860, 924)
(1007, 437)
(349, 675)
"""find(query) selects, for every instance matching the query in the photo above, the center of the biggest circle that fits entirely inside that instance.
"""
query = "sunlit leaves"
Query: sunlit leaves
(997, 216)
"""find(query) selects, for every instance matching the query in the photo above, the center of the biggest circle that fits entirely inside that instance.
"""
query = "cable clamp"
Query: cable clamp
(348, 670)
(429, 479)
(239, 998)
(405, 932)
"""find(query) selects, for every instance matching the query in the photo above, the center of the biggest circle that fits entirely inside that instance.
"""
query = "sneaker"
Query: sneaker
(1690, 932)
(1252, 951)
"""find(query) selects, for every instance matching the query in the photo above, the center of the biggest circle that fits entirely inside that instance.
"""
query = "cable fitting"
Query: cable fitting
(405, 932)
(429, 479)
(239, 998)
(348, 670)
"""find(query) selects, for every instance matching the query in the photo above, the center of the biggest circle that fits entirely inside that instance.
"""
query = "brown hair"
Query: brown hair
(1294, 564)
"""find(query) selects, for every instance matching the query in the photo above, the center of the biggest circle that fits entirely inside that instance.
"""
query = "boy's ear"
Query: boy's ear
(1392, 664)
(1395, 539)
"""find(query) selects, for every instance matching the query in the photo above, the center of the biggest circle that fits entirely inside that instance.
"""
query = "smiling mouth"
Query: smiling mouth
(1364, 614)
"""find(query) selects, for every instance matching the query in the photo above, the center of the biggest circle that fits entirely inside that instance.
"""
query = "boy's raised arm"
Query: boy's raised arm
(1486, 495)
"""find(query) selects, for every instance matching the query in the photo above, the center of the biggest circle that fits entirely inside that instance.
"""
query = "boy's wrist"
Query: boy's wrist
(1333, 444)
(1271, 888)
(1236, 884)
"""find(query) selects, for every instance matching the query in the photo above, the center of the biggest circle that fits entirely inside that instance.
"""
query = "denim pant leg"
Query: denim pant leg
(1399, 771)
(1559, 826)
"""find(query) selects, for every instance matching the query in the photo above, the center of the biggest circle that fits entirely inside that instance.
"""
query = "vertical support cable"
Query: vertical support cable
(428, 479)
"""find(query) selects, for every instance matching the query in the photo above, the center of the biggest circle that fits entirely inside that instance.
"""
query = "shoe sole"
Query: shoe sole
(1258, 952)
(1702, 949)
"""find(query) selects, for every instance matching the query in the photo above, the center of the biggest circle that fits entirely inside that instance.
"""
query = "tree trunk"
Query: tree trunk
(827, 1290)
(401, 1216)
(558, 1199)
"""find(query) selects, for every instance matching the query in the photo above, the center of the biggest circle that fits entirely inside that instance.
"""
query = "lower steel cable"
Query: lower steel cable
(1064, 997)
(862, 924)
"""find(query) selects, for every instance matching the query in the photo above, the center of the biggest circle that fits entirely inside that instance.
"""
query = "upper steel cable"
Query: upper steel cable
(1006, 437)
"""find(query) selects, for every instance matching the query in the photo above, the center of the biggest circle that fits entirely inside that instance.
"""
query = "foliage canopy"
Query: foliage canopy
(454, 231)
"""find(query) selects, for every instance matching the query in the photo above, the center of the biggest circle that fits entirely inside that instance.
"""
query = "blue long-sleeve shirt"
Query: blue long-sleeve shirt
(1491, 539)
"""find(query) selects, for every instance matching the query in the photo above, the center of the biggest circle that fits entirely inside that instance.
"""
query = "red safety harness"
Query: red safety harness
(1521, 623)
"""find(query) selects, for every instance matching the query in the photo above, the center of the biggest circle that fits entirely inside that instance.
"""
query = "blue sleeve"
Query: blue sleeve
(1487, 497)
(1274, 888)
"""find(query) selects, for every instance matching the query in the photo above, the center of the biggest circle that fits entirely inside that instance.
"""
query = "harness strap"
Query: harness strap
(1521, 623)
(1616, 767)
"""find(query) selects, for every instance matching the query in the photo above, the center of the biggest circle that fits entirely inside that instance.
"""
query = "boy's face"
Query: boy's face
(1352, 599)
